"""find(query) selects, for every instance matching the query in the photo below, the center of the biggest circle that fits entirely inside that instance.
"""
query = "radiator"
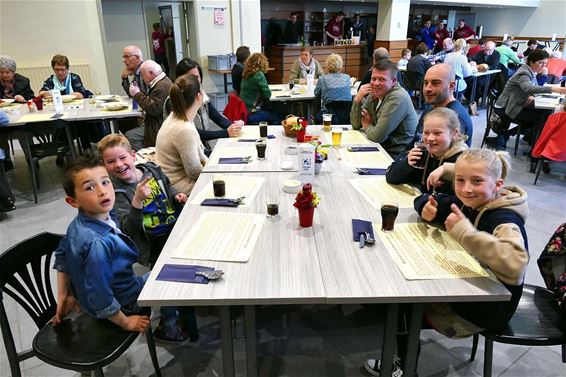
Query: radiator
(37, 75)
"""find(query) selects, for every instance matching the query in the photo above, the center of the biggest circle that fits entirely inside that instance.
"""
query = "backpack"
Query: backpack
(552, 265)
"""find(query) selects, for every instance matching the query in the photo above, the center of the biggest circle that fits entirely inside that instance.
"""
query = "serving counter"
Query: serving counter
(282, 57)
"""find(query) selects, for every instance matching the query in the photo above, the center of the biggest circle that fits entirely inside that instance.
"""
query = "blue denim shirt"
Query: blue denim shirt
(99, 261)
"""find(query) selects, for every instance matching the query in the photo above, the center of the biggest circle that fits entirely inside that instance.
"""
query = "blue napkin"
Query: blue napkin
(361, 226)
(371, 171)
(183, 273)
(271, 136)
(233, 160)
(220, 202)
(363, 149)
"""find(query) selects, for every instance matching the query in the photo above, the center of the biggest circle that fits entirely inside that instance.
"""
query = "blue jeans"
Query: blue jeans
(264, 116)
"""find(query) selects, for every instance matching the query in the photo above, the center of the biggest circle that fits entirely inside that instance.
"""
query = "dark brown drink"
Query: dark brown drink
(420, 164)
(389, 213)
(261, 150)
(273, 209)
(219, 188)
(263, 130)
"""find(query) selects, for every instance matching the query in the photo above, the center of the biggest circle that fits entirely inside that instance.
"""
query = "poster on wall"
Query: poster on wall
(219, 14)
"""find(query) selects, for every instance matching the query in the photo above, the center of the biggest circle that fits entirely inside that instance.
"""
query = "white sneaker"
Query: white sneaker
(369, 365)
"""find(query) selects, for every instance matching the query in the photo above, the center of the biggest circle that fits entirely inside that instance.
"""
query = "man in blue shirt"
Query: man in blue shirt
(94, 255)
(439, 83)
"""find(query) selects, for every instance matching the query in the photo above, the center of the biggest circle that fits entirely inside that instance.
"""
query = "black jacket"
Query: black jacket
(21, 87)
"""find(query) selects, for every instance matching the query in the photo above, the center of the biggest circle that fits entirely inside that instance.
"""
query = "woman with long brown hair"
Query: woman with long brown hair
(255, 91)
(179, 150)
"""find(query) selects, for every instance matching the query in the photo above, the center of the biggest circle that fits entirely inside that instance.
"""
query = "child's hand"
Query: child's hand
(434, 178)
(143, 191)
(137, 323)
(414, 156)
(430, 209)
(454, 217)
(181, 198)
(65, 304)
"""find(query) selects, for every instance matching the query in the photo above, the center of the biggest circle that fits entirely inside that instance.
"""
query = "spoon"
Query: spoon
(210, 275)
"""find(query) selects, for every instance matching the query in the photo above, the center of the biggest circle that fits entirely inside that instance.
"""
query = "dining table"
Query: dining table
(287, 264)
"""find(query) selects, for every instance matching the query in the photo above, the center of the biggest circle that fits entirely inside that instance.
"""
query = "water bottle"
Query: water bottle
(134, 104)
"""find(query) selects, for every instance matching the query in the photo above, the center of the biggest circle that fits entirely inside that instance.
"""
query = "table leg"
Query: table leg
(485, 90)
(251, 354)
(389, 339)
(474, 87)
(70, 140)
(225, 83)
(414, 339)
(227, 345)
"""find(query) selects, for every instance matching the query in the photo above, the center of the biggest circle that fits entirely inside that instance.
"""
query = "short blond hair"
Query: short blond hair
(460, 44)
(113, 140)
(498, 163)
(334, 63)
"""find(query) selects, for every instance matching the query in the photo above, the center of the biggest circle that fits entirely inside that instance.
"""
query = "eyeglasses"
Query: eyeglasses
(60, 69)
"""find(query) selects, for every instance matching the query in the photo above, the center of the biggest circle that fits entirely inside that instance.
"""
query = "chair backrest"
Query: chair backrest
(550, 143)
(48, 137)
(236, 109)
(414, 80)
(341, 111)
(24, 276)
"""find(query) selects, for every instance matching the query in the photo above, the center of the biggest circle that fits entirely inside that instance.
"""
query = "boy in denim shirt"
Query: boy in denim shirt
(147, 208)
(94, 255)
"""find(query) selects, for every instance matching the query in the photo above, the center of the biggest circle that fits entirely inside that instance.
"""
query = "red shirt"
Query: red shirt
(440, 36)
(474, 50)
(158, 44)
(464, 32)
(333, 27)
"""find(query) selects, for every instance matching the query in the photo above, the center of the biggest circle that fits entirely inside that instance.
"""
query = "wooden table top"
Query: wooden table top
(320, 264)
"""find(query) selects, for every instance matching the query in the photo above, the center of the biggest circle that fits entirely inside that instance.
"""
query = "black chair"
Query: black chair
(341, 111)
(414, 82)
(44, 140)
(538, 321)
(81, 344)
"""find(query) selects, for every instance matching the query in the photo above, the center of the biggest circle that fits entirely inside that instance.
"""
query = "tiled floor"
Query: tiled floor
(295, 340)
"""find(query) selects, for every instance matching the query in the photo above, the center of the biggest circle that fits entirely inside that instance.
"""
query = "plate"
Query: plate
(6, 102)
(116, 106)
(106, 97)
(67, 98)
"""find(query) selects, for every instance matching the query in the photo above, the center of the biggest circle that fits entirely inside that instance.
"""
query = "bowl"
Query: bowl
(67, 98)
(291, 186)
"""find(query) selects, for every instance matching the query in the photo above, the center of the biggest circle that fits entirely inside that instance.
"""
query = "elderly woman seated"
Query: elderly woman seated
(12, 86)
(334, 89)
(63, 79)
(305, 65)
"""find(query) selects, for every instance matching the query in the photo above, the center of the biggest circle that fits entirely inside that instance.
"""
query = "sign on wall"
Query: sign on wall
(219, 16)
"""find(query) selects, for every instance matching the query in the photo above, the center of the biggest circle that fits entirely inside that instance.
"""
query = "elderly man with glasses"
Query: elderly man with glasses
(485, 60)
(132, 58)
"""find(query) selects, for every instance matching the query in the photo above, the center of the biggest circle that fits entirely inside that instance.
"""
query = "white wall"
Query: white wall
(206, 38)
(548, 18)
(123, 25)
(392, 18)
(33, 31)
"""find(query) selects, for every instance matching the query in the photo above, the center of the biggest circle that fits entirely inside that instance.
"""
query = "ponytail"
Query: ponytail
(183, 94)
